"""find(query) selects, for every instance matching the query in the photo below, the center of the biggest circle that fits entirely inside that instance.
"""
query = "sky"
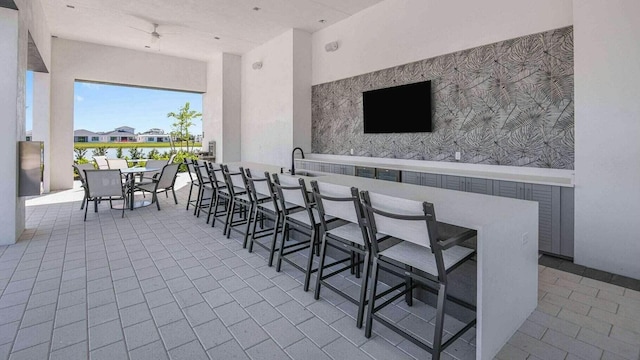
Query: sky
(100, 107)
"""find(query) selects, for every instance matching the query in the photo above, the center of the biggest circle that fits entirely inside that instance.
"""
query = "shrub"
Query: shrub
(179, 159)
(100, 151)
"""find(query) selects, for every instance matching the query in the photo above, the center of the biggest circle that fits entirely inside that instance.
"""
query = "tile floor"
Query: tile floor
(162, 284)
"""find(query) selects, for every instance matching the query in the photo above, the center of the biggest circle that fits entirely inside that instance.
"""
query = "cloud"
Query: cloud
(79, 98)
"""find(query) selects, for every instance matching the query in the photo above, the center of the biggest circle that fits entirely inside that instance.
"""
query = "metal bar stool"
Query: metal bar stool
(423, 258)
(193, 183)
(206, 192)
(221, 198)
(305, 220)
(238, 204)
(343, 202)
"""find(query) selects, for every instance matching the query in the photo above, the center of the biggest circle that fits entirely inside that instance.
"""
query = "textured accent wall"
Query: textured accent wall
(508, 103)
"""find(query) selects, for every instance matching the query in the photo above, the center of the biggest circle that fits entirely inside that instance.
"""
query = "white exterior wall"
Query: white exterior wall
(272, 115)
(41, 121)
(222, 122)
(10, 223)
(73, 60)
(396, 32)
(14, 29)
(607, 74)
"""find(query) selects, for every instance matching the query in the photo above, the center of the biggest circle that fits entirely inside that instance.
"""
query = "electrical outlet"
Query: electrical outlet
(525, 239)
(458, 155)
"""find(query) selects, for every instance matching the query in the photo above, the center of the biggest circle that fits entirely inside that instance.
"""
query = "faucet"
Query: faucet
(293, 163)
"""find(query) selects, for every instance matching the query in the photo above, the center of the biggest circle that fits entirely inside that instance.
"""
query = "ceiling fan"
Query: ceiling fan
(155, 35)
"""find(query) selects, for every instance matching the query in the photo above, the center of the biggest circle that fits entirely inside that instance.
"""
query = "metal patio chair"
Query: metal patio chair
(104, 185)
(163, 183)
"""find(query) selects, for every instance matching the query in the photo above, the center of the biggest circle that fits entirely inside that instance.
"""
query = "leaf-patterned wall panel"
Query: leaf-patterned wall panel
(508, 103)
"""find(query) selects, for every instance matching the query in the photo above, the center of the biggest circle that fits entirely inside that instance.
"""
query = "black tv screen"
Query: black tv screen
(398, 109)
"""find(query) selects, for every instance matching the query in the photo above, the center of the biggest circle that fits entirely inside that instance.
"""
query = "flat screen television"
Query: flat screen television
(398, 109)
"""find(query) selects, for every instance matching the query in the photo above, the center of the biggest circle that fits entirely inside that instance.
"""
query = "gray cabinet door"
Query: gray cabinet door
(324, 167)
(508, 189)
(411, 177)
(433, 180)
(548, 198)
(388, 175)
(453, 182)
(566, 221)
(342, 169)
(479, 186)
(366, 172)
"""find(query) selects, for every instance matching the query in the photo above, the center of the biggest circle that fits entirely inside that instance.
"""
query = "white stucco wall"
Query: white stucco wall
(607, 74)
(221, 121)
(268, 113)
(73, 60)
(41, 121)
(14, 29)
(396, 32)
(10, 215)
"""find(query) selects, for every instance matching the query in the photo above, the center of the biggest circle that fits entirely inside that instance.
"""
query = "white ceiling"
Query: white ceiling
(188, 27)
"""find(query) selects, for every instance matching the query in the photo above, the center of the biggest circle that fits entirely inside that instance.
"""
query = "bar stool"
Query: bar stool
(206, 192)
(193, 183)
(264, 209)
(428, 252)
(239, 204)
(221, 196)
(343, 202)
(304, 220)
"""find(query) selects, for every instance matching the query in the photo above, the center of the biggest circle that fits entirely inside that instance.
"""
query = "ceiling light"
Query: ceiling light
(322, 21)
(71, 6)
(257, 65)
(147, 46)
(256, 9)
(216, 37)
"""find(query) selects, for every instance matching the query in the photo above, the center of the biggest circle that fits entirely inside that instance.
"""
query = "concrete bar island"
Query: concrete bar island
(507, 253)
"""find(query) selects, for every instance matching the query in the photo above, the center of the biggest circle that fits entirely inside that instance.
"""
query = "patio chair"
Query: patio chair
(162, 183)
(80, 168)
(427, 253)
(101, 162)
(101, 185)
(117, 163)
(153, 164)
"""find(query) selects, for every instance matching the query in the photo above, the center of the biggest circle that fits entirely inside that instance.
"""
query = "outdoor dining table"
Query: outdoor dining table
(130, 182)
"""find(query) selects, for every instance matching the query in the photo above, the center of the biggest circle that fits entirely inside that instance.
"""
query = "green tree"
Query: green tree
(119, 153)
(183, 121)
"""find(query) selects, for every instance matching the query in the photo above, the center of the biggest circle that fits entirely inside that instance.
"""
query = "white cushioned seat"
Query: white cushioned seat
(422, 258)
(351, 232)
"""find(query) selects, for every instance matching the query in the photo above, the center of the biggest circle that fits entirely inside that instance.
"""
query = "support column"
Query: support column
(221, 107)
(12, 123)
(41, 121)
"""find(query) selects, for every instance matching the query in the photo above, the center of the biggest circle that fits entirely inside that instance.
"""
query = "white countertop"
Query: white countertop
(556, 177)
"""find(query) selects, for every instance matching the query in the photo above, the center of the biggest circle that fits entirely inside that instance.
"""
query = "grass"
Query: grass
(91, 145)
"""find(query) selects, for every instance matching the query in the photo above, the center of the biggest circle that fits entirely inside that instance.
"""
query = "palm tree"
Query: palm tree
(184, 120)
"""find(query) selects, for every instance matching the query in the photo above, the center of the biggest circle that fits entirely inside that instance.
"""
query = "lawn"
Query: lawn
(125, 145)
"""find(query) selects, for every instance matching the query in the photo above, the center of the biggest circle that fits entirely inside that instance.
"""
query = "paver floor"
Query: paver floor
(163, 284)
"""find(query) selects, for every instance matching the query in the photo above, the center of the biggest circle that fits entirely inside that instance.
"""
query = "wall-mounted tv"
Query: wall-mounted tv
(398, 109)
